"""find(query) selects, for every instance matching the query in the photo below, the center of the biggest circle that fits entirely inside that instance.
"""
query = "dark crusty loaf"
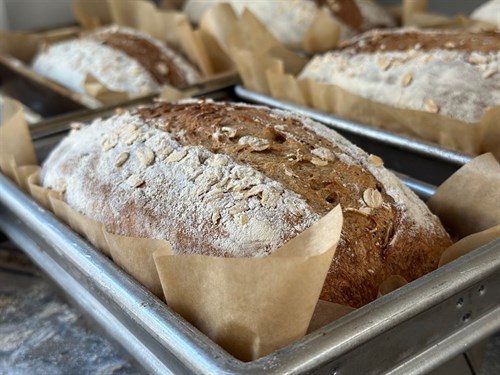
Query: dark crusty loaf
(121, 58)
(452, 73)
(238, 180)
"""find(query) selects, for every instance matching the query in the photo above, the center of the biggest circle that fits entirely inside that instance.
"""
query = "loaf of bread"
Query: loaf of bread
(452, 73)
(488, 12)
(237, 180)
(290, 20)
(120, 58)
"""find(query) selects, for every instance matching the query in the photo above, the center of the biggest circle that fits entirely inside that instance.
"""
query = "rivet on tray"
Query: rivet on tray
(460, 302)
(466, 317)
(481, 290)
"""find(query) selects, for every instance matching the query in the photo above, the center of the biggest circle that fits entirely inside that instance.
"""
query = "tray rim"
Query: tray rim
(406, 143)
(283, 360)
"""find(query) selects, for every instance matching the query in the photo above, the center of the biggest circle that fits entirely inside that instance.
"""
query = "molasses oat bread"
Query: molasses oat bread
(237, 180)
(290, 20)
(455, 74)
(121, 58)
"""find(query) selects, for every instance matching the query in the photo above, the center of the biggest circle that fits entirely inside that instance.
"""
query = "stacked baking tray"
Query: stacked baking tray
(412, 330)
(426, 161)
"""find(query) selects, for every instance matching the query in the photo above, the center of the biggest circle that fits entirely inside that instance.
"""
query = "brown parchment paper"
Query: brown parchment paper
(269, 73)
(253, 320)
(323, 34)
(16, 148)
(253, 306)
(477, 185)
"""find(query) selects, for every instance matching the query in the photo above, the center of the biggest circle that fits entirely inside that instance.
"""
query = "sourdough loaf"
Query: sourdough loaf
(488, 12)
(290, 20)
(121, 58)
(452, 73)
(236, 180)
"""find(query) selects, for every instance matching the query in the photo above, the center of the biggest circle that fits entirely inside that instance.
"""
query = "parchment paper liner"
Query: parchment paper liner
(323, 34)
(266, 71)
(250, 306)
(170, 26)
(211, 274)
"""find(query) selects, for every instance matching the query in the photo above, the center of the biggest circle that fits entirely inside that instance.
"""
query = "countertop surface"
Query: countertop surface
(41, 334)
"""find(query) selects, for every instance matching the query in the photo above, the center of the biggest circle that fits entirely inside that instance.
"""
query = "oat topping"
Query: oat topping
(135, 180)
(372, 198)
(377, 161)
(121, 159)
(146, 156)
(256, 144)
(431, 106)
(406, 79)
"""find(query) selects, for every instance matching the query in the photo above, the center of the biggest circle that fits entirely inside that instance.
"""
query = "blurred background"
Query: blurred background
(24, 15)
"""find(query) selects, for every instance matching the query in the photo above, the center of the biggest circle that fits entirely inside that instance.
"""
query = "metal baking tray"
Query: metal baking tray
(49, 98)
(410, 331)
(423, 160)
(37, 92)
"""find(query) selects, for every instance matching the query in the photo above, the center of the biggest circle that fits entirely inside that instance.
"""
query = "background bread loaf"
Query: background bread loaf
(452, 73)
(290, 20)
(120, 58)
(238, 180)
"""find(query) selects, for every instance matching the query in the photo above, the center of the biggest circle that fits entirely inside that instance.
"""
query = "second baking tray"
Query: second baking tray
(425, 161)
(410, 331)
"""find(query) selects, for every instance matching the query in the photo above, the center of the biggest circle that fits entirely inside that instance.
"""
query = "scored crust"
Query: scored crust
(120, 58)
(238, 180)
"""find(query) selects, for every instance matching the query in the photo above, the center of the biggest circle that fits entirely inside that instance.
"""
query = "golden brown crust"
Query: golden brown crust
(376, 41)
(369, 251)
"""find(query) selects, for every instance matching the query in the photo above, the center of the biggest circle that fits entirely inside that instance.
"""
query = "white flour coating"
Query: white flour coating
(69, 63)
(289, 20)
(456, 84)
(183, 191)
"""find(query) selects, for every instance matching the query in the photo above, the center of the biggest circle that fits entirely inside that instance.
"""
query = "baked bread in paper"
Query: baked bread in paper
(451, 73)
(488, 12)
(120, 58)
(290, 20)
(234, 180)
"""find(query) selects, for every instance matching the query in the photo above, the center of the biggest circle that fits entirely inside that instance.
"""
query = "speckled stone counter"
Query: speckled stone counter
(41, 334)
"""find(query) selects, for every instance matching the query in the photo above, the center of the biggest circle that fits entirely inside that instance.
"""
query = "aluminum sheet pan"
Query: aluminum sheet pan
(426, 161)
(42, 95)
(410, 331)
(49, 98)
